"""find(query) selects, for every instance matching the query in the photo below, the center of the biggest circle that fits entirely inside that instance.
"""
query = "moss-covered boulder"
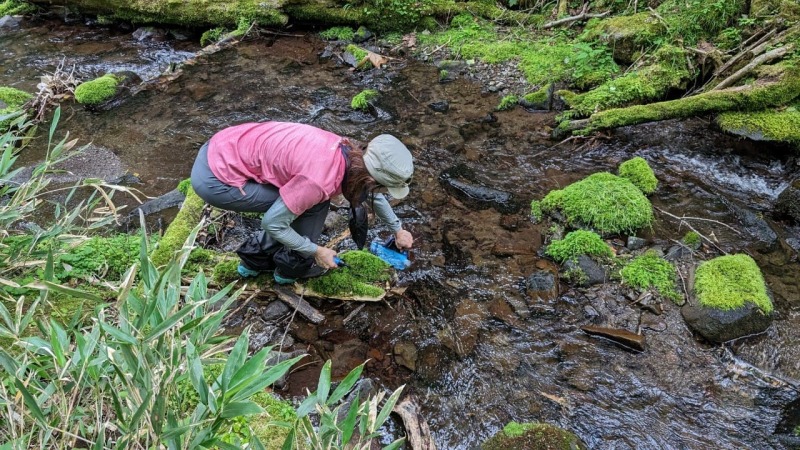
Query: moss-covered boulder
(770, 126)
(576, 243)
(533, 436)
(99, 90)
(729, 299)
(11, 101)
(603, 202)
(788, 202)
(626, 35)
(177, 232)
(650, 271)
(362, 278)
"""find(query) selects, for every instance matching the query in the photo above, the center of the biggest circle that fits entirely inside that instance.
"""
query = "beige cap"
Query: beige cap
(390, 163)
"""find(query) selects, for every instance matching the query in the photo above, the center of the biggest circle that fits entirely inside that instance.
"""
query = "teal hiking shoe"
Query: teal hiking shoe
(244, 272)
(314, 271)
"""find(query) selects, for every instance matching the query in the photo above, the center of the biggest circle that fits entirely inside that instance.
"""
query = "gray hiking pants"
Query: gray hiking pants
(259, 198)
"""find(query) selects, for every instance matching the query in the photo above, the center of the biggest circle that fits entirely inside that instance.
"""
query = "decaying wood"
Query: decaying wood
(750, 50)
(417, 430)
(295, 301)
(583, 15)
(766, 57)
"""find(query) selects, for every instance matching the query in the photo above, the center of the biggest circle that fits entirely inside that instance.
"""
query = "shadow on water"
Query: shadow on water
(474, 348)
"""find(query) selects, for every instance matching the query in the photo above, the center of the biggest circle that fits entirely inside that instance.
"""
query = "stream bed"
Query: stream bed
(472, 347)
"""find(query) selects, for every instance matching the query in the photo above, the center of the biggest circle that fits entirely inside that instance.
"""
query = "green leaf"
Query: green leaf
(349, 423)
(251, 369)
(346, 385)
(324, 384)
(395, 445)
(236, 409)
(137, 416)
(30, 402)
(307, 406)
(164, 326)
(235, 359)
(288, 444)
(198, 381)
(118, 334)
(50, 286)
(255, 443)
(269, 377)
(388, 406)
(53, 124)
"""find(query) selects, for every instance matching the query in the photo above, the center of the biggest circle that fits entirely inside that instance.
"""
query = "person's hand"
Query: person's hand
(324, 257)
(403, 239)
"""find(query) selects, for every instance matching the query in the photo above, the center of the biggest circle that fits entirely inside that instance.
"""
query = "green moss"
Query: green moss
(651, 271)
(692, 20)
(636, 30)
(667, 72)
(536, 211)
(443, 74)
(576, 243)
(692, 240)
(184, 186)
(338, 34)
(225, 272)
(638, 172)
(15, 8)
(508, 102)
(730, 281)
(362, 99)
(783, 126)
(100, 257)
(96, 91)
(357, 52)
(541, 60)
(14, 100)
(533, 436)
(602, 201)
(783, 87)
(537, 97)
(212, 35)
(177, 232)
(797, 430)
(359, 278)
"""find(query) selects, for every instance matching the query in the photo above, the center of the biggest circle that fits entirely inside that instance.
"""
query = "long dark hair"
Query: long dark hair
(358, 183)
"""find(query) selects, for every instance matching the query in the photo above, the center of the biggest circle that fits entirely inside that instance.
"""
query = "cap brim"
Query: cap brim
(398, 192)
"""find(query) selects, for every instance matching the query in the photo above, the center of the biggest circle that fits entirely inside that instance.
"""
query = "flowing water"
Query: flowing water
(485, 352)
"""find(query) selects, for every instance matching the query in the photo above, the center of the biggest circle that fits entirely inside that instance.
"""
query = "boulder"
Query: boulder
(788, 202)
(720, 326)
(533, 436)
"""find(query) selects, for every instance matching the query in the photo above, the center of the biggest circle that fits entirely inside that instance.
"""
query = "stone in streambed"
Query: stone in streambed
(788, 202)
(533, 436)
(459, 181)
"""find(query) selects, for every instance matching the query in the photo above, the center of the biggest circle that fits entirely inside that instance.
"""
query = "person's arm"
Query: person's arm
(277, 222)
(383, 210)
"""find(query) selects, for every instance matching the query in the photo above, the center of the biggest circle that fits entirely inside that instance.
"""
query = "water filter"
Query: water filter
(388, 252)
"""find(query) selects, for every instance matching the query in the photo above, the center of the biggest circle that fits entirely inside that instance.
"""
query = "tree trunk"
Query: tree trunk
(779, 88)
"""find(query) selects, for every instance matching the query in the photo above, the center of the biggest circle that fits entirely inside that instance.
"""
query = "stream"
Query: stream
(476, 351)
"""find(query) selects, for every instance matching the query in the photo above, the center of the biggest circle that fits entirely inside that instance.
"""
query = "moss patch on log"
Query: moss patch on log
(782, 126)
(359, 278)
(177, 232)
(97, 91)
(730, 281)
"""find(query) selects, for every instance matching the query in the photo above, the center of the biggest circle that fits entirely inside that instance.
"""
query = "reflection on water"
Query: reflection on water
(486, 353)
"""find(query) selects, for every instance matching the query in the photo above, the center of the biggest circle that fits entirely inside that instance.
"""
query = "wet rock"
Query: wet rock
(306, 332)
(542, 286)
(274, 311)
(788, 202)
(631, 341)
(720, 326)
(635, 243)
(149, 34)
(462, 336)
(459, 181)
(432, 362)
(678, 253)
(653, 323)
(169, 200)
(594, 273)
(10, 22)
(276, 358)
(335, 221)
(347, 355)
(362, 34)
(405, 354)
(263, 335)
(502, 311)
(441, 106)
(514, 248)
(754, 225)
(794, 243)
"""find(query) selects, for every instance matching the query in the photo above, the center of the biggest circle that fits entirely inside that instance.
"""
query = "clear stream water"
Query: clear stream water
(486, 354)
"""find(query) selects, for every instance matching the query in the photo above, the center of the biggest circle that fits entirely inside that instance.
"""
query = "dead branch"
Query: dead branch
(297, 302)
(766, 57)
(683, 221)
(750, 50)
(583, 15)
(417, 430)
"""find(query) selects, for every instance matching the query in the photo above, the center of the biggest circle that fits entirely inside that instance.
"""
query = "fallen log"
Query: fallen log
(766, 57)
(417, 430)
(778, 85)
(295, 301)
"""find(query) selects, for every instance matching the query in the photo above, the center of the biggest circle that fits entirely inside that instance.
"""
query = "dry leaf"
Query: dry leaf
(410, 40)
(376, 60)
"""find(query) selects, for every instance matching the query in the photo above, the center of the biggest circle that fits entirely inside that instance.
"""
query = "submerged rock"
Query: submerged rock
(720, 326)
(542, 285)
(459, 180)
(754, 225)
(533, 436)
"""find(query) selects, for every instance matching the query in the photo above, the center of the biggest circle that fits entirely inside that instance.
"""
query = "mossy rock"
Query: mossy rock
(640, 174)
(770, 126)
(363, 279)
(650, 271)
(533, 436)
(625, 34)
(94, 92)
(576, 243)
(603, 202)
(729, 282)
